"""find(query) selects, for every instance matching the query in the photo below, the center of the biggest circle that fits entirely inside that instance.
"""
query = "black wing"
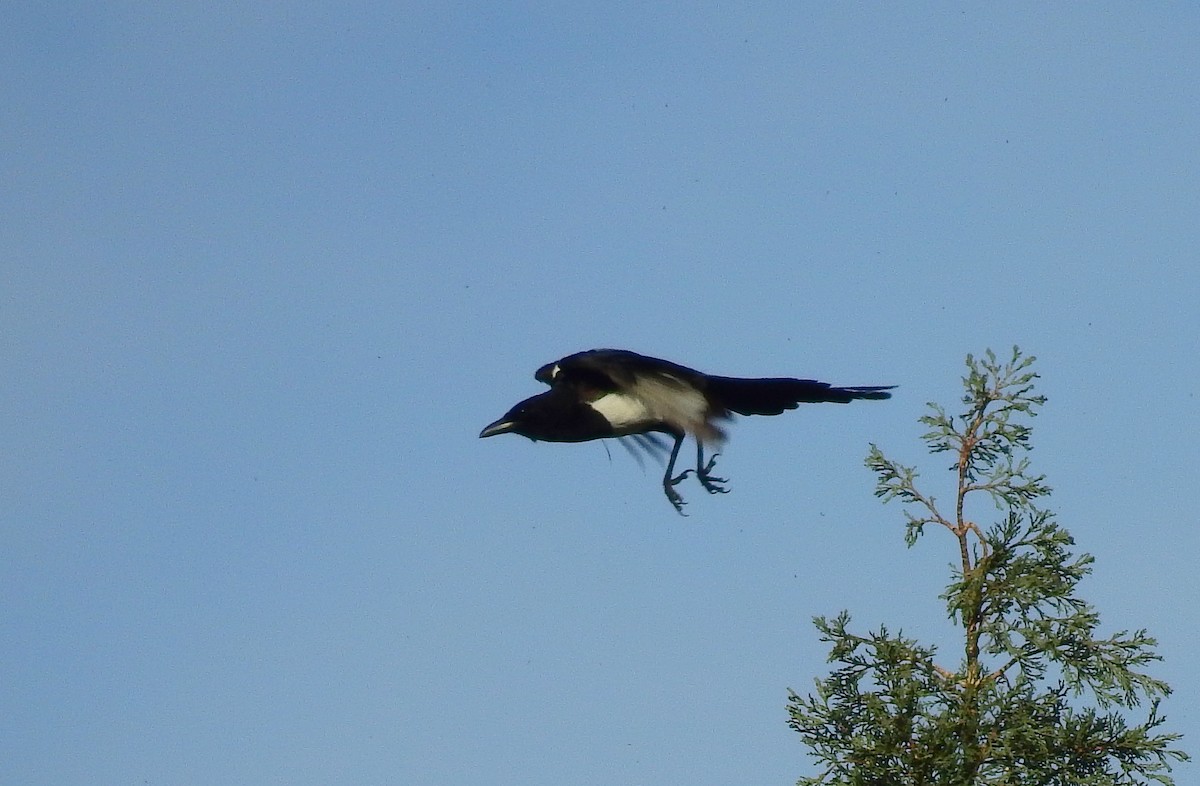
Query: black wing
(670, 394)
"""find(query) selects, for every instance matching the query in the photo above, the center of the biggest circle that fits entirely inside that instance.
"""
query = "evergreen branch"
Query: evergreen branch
(1016, 710)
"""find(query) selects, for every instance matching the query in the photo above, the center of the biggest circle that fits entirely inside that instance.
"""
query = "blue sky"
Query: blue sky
(268, 268)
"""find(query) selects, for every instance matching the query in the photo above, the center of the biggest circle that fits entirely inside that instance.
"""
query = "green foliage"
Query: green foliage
(1039, 695)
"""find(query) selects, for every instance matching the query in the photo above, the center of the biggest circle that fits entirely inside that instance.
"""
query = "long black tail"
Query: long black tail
(772, 396)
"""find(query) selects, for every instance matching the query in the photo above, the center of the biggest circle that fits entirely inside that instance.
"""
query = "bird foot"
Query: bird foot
(675, 481)
(673, 496)
(711, 483)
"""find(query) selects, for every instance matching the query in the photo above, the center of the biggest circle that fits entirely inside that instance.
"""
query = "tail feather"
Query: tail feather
(773, 395)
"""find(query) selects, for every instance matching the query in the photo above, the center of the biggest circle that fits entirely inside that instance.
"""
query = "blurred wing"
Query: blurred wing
(651, 444)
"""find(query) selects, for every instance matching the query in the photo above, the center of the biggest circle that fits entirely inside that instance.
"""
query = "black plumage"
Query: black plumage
(604, 393)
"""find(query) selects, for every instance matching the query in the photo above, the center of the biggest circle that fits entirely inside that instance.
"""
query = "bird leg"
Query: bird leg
(711, 483)
(670, 482)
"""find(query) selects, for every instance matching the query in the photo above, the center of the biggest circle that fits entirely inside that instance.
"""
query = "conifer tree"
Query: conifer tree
(1037, 694)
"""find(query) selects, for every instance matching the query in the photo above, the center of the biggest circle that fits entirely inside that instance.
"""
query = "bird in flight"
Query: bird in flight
(604, 393)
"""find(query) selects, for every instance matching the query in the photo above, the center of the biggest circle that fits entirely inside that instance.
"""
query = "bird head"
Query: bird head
(527, 418)
(554, 416)
(509, 424)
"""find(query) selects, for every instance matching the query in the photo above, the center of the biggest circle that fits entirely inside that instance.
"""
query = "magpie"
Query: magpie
(602, 393)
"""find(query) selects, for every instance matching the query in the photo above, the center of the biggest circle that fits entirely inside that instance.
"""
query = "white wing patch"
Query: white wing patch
(658, 399)
(622, 411)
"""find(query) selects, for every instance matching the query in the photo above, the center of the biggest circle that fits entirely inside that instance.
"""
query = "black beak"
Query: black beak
(501, 426)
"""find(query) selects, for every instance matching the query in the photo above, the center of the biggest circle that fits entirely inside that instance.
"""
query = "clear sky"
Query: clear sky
(266, 269)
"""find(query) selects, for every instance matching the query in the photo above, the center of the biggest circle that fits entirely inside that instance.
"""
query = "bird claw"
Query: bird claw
(673, 496)
(711, 483)
(675, 481)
